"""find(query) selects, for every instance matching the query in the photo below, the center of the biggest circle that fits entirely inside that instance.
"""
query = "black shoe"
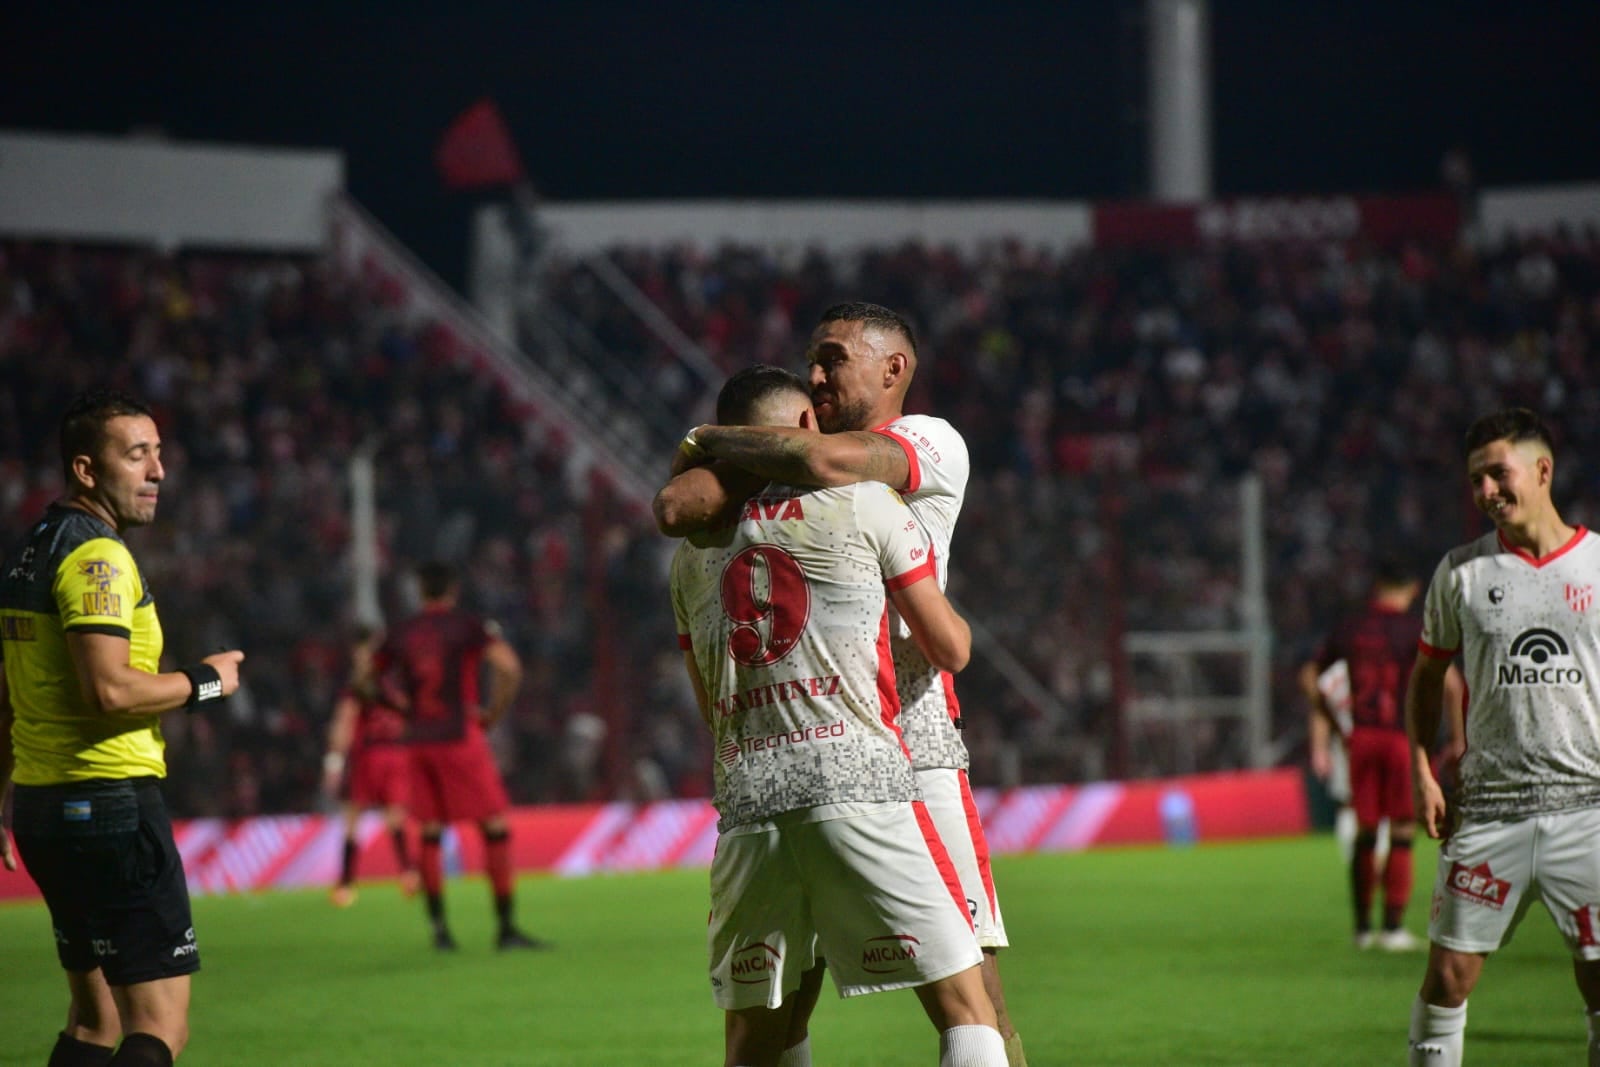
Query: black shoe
(442, 940)
(514, 938)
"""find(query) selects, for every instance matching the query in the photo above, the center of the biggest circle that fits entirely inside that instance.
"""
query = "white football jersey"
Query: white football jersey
(935, 491)
(787, 616)
(1528, 632)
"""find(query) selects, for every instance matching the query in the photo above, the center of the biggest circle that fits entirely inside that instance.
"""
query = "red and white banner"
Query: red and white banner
(297, 851)
(1381, 219)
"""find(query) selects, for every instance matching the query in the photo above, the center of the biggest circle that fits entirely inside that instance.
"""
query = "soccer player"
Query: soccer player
(823, 845)
(429, 666)
(368, 766)
(862, 358)
(1518, 605)
(1376, 645)
(80, 738)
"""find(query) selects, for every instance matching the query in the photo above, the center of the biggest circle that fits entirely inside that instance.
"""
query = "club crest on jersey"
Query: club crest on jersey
(1479, 885)
(1579, 597)
(1540, 657)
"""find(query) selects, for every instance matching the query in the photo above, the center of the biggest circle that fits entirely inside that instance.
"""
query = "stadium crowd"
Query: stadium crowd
(269, 375)
(1111, 400)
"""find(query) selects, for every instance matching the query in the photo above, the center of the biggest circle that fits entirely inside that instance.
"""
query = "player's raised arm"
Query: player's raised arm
(800, 457)
(703, 498)
(1424, 707)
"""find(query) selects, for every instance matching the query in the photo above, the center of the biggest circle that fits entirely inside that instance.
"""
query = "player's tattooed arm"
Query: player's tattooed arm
(803, 457)
(703, 498)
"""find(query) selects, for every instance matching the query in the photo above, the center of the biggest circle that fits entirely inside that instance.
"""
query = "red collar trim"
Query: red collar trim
(1532, 560)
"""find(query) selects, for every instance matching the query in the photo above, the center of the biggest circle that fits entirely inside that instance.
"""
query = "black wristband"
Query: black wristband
(205, 685)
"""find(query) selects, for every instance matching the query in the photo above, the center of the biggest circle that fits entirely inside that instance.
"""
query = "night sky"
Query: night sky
(940, 99)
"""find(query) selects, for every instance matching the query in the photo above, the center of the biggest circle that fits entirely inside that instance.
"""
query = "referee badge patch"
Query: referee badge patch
(77, 810)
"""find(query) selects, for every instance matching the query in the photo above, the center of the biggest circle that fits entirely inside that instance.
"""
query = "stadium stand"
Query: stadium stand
(1110, 398)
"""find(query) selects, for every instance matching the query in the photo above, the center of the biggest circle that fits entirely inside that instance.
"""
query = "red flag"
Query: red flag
(477, 151)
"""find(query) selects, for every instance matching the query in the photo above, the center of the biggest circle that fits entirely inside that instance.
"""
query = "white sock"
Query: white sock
(1594, 1039)
(971, 1046)
(797, 1055)
(1436, 1034)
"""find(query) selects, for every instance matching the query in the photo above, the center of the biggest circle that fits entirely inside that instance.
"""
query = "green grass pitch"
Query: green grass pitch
(1219, 954)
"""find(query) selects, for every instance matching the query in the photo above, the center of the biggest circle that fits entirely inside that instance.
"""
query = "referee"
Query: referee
(80, 735)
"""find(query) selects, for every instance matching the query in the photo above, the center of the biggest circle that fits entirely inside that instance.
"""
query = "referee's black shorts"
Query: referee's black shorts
(103, 855)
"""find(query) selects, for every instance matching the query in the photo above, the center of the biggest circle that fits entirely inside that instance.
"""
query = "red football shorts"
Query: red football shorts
(380, 777)
(456, 780)
(1380, 776)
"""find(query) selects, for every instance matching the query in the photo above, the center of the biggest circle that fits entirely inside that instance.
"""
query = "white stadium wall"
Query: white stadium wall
(835, 225)
(121, 190)
(1533, 209)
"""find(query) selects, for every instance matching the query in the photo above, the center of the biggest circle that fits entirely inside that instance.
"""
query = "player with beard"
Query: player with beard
(862, 358)
(823, 845)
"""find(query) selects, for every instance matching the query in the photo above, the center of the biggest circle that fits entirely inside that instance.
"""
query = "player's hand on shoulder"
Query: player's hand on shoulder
(690, 453)
(226, 664)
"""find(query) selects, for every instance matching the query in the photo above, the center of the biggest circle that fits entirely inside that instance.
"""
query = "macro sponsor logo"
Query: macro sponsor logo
(1542, 658)
(101, 601)
(778, 693)
(754, 964)
(888, 953)
(1478, 884)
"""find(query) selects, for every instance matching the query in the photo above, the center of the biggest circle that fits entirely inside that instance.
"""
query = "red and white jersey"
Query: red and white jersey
(787, 616)
(935, 491)
(1528, 632)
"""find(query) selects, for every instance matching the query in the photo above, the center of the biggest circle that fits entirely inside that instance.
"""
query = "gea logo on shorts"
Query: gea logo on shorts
(755, 963)
(1536, 649)
(1479, 885)
(886, 954)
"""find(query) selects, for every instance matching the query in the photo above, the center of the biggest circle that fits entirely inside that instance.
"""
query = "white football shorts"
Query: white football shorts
(871, 891)
(1490, 871)
(948, 796)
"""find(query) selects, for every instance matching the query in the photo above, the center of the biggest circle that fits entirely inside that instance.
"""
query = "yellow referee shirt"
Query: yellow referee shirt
(74, 573)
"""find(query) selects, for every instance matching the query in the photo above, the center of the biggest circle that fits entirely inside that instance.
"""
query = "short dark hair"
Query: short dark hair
(1392, 572)
(1513, 424)
(435, 579)
(748, 389)
(871, 315)
(83, 425)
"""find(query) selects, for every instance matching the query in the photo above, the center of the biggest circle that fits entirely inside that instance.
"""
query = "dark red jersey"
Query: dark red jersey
(1379, 645)
(428, 667)
(376, 722)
